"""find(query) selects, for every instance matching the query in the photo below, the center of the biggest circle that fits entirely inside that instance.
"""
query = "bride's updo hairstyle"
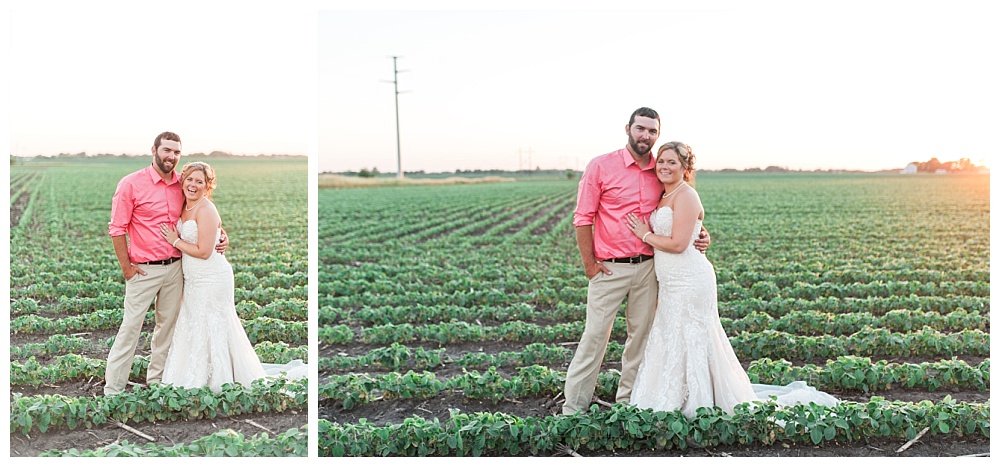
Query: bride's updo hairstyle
(686, 156)
(205, 169)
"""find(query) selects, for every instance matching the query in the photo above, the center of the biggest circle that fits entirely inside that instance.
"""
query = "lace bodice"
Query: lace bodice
(188, 231)
(662, 222)
(687, 266)
(213, 269)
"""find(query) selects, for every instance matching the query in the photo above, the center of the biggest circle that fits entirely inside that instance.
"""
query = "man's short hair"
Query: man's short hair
(165, 135)
(640, 112)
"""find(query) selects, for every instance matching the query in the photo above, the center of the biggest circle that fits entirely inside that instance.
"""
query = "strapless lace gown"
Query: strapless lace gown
(210, 346)
(688, 361)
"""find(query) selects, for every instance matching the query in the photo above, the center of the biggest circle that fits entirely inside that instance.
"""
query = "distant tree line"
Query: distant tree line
(538, 173)
(211, 155)
(959, 166)
(777, 169)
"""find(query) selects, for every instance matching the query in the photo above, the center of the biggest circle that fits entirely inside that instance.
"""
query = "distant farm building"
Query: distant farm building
(910, 168)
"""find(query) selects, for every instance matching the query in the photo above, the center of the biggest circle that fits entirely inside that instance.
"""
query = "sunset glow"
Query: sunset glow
(773, 83)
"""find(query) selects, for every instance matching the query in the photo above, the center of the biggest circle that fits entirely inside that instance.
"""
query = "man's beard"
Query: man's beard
(159, 163)
(635, 147)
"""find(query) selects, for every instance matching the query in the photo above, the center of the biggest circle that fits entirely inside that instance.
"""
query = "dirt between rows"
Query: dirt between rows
(395, 411)
(165, 433)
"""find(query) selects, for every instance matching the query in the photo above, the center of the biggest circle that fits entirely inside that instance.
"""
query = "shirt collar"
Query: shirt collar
(629, 160)
(155, 177)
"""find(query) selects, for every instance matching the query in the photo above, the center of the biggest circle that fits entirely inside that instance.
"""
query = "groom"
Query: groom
(151, 267)
(616, 262)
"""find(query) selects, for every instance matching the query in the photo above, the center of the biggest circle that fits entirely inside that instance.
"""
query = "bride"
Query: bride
(688, 361)
(210, 347)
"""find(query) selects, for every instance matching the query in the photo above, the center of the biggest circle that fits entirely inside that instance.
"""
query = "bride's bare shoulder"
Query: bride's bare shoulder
(689, 193)
(689, 197)
(209, 214)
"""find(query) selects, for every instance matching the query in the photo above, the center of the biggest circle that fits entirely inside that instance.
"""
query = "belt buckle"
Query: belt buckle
(635, 260)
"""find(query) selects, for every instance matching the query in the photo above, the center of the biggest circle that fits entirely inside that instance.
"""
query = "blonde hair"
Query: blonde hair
(685, 155)
(205, 169)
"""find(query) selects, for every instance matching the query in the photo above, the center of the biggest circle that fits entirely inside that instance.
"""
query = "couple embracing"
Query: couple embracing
(639, 229)
(168, 237)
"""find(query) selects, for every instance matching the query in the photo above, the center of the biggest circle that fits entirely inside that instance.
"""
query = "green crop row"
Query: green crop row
(778, 307)
(259, 329)
(631, 430)
(22, 184)
(156, 403)
(805, 291)
(291, 307)
(845, 373)
(359, 293)
(795, 322)
(860, 373)
(68, 289)
(767, 343)
(294, 442)
(534, 290)
(420, 313)
(746, 278)
(866, 342)
(817, 322)
(59, 344)
(55, 345)
(73, 367)
(396, 357)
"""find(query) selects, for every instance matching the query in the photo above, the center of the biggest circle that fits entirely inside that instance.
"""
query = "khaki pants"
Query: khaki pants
(164, 286)
(605, 294)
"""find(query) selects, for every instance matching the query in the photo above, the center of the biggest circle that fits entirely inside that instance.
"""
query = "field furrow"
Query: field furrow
(848, 282)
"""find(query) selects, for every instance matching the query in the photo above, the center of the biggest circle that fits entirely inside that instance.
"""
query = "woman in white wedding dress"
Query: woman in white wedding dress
(210, 346)
(688, 361)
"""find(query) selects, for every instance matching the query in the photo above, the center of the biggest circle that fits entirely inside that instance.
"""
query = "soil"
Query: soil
(395, 411)
(164, 433)
(17, 208)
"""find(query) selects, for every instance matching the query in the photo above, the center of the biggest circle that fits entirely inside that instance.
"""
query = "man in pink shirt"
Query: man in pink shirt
(151, 266)
(616, 262)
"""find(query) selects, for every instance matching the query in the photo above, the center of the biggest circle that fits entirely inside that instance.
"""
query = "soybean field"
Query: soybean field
(449, 314)
(67, 294)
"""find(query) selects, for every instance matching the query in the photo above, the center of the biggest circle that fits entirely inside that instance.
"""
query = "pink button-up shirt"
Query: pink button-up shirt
(612, 186)
(141, 203)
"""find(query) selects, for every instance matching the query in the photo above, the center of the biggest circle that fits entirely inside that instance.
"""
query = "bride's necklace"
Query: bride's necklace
(667, 195)
(186, 208)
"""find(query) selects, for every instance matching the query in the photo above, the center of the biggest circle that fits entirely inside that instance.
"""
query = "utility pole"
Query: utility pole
(395, 85)
(520, 160)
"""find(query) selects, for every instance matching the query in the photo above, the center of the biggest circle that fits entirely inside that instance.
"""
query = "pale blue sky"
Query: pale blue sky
(849, 86)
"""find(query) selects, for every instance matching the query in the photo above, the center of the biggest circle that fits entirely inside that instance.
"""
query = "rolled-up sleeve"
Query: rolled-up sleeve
(121, 209)
(589, 195)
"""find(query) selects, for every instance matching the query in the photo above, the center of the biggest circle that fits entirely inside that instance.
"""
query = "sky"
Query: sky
(855, 85)
(507, 85)
(107, 77)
